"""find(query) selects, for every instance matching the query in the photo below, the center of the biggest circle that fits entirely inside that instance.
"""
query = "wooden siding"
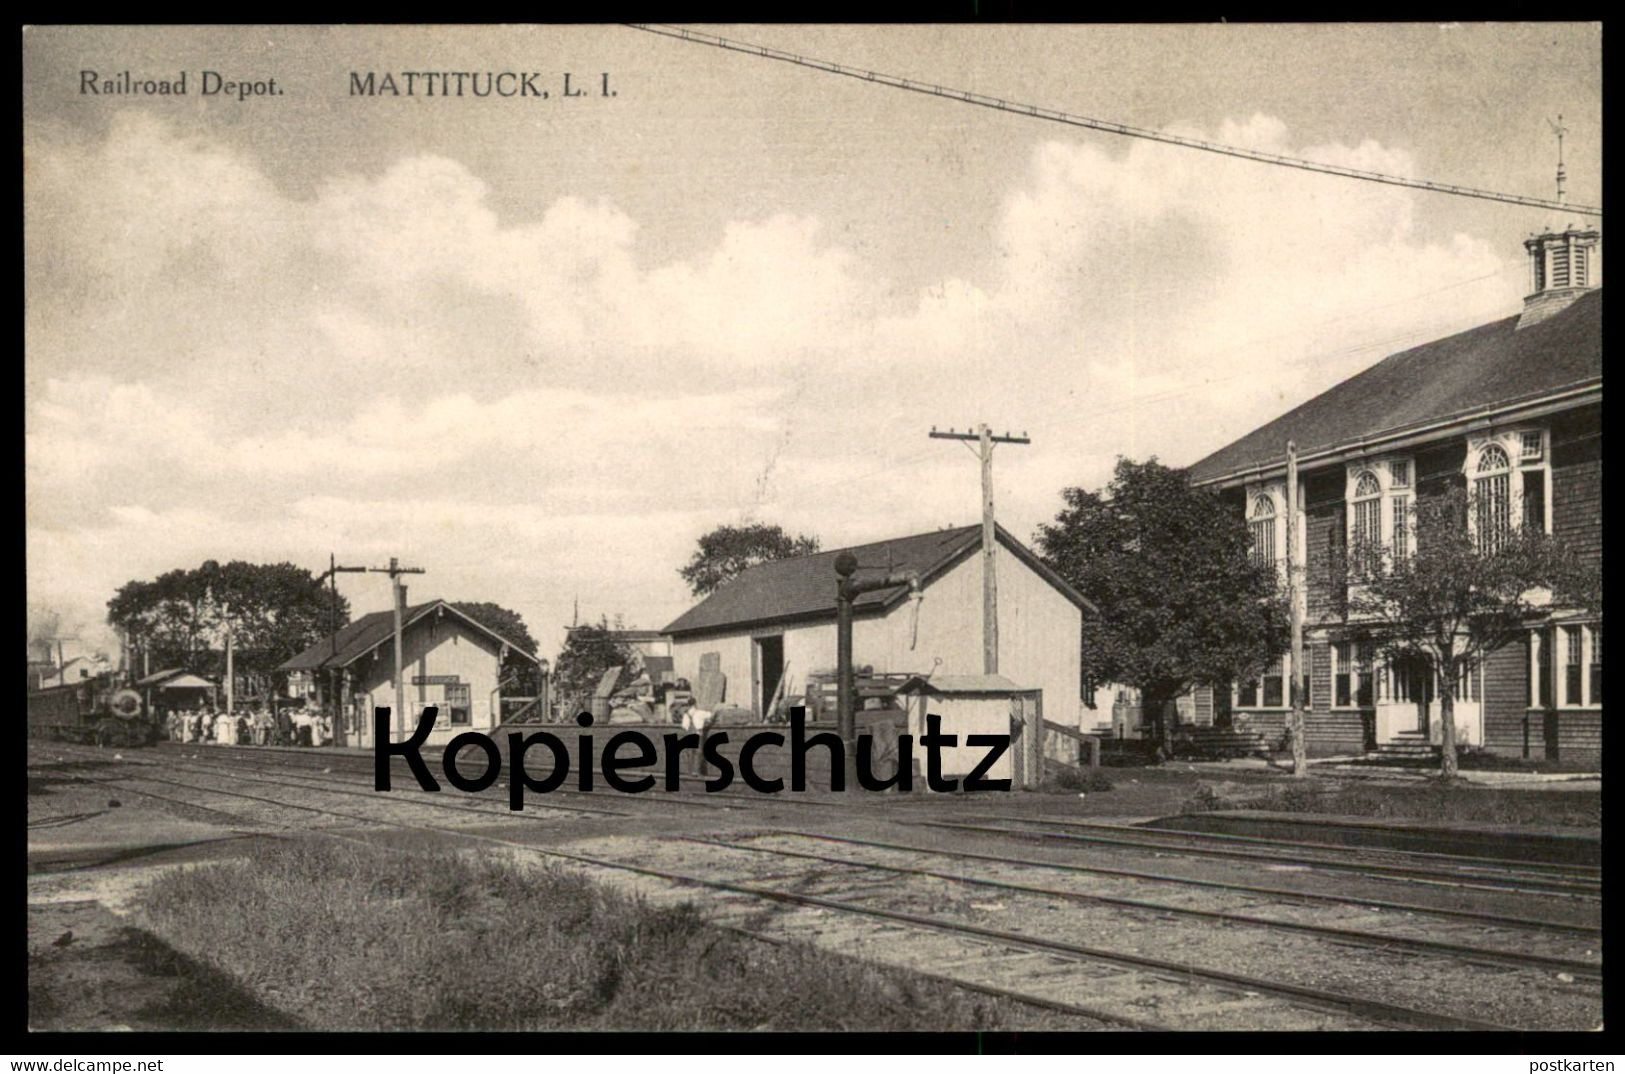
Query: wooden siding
(1578, 736)
(1323, 543)
(434, 647)
(1330, 731)
(1577, 481)
(1507, 719)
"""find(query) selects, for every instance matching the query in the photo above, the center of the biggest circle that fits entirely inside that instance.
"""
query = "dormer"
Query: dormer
(1563, 265)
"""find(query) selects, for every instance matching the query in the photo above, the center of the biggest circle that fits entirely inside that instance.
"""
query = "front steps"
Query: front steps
(1408, 746)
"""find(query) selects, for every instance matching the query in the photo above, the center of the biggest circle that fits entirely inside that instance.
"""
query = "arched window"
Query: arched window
(1263, 530)
(1492, 497)
(1493, 460)
(1366, 537)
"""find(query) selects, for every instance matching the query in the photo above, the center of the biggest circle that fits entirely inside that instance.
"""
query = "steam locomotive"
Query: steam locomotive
(97, 711)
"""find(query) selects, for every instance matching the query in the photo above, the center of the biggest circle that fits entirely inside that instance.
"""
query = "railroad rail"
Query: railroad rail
(1133, 838)
(1576, 870)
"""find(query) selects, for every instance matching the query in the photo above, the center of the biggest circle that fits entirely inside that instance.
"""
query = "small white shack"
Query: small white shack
(975, 705)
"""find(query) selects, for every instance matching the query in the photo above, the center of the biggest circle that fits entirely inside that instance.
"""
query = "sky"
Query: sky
(538, 347)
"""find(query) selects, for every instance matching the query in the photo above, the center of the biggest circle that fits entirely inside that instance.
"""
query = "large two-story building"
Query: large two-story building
(1510, 410)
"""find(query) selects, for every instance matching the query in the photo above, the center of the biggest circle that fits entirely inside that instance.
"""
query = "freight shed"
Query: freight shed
(776, 621)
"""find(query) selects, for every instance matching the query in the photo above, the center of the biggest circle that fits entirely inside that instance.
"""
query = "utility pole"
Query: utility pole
(231, 681)
(985, 440)
(59, 639)
(1300, 747)
(395, 570)
(333, 674)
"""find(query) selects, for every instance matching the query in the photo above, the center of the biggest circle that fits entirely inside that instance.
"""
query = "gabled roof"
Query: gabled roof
(175, 678)
(187, 681)
(804, 587)
(1492, 366)
(960, 685)
(374, 629)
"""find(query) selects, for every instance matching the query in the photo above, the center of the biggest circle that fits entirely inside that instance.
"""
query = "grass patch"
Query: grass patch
(1475, 759)
(1436, 801)
(1069, 780)
(349, 937)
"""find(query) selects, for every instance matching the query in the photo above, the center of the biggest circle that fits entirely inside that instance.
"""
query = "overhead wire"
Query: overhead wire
(1107, 126)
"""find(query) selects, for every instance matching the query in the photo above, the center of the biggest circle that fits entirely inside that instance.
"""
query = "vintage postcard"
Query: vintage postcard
(807, 528)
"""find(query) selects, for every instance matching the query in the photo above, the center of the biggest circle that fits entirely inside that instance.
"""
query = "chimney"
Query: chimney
(1563, 265)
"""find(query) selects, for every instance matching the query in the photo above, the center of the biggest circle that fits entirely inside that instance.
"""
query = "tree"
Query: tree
(588, 652)
(516, 670)
(1460, 595)
(727, 551)
(1169, 567)
(181, 618)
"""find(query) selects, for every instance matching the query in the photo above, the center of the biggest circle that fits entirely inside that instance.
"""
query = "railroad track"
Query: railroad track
(1516, 957)
(1563, 870)
(998, 960)
(1373, 863)
(262, 759)
(1370, 863)
(362, 787)
(1506, 880)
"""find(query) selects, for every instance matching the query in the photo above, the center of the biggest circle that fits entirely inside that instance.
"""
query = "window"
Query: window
(1088, 692)
(1402, 526)
(1353, 674)
(1367, 536)
(1534, 500)
(457, 702)
(1492, 497)
(1274, 686)
(1263, 530)
(1573, 646)
(1530, 445)
(1365, 677)
(1342, 669)
(1268, 691)
(1596, 666)
(1400, 471)
(1578, 651)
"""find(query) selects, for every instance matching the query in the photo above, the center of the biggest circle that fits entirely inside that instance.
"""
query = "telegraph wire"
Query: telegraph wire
(1070, 119)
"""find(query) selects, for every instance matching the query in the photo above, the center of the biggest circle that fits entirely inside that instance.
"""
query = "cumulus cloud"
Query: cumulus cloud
(217, 367)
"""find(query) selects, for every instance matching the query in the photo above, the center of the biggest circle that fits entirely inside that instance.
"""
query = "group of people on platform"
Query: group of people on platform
(257, 726)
